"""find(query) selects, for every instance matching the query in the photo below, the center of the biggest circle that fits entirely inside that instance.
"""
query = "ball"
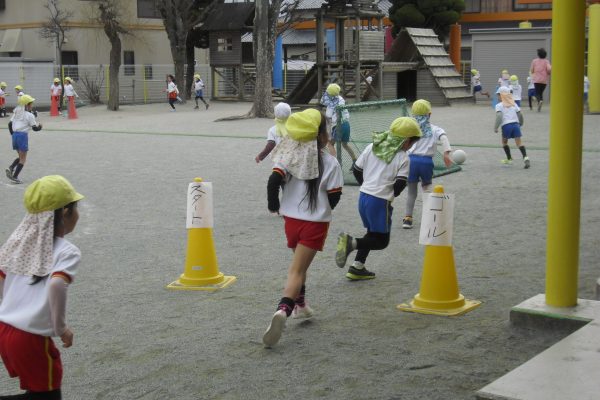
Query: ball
(459, 156)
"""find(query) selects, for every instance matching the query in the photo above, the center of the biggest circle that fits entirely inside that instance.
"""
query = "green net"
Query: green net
(374, 116)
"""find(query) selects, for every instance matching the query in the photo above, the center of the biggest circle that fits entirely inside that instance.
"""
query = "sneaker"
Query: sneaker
(173, 110)
(273, 333)
(9, 173)
(196, 108)
(506, 161)
(207, 106)
(355, 274)
(527, 162)
(15, 180)
(344, 247)
(407, 223)
(540, 105)
(302, 312)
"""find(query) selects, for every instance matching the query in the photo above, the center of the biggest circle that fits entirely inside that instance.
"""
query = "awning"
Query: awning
(11, 41)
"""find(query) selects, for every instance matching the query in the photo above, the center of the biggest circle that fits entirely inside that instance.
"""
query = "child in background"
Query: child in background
(172, 91)
(476, 84)
(277, 131)
(509, 117)
(36, 267)
(18, 126)
(516, 89)
(55, 92)
(19, 91)
(381, 170)
(586, 91)
(3, 95)
(71, 94)
(530, 91)
(421, 157)
(331, 99)
(504, 79)
(198, 90)
(312, 186)
(340, 131)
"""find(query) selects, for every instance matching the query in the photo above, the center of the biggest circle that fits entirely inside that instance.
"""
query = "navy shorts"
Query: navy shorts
(585, 96)
(477, 89)
(511, 131)
(421, 168)
(199, 93)
(376, 213)
(342, 134)
(518, 102)
(531, 92)
(20, 141)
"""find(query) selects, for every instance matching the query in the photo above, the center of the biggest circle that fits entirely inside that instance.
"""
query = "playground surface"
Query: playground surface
(136, 340)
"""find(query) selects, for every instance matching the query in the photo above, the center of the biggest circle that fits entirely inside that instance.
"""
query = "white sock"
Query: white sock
(358, 265)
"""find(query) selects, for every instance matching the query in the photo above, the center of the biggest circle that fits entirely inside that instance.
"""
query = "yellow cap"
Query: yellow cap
(3, 84)
(25, 99)
(474, 72)
(421, 107)
(68, 79)
(18, 87)
(405, 127)
(514, 78)
(304, 126)
(333, 89)
(505, 71)
(49, 193)
(56, 80)
(197, 76)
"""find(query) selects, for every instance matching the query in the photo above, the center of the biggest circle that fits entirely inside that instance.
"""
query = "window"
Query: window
(472, 6)
(129, 61)
(519, 5)
(224, 44)
(147, 9)
(70, 61)
(148, 73)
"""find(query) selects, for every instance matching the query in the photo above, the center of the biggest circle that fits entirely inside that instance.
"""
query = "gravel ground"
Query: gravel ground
(136, 340)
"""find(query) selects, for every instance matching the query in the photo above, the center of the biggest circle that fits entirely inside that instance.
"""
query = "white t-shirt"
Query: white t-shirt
(26, 306)
(198, 85)
(516, 91)
(586, 84)
(476, 80)
(69, 91)
(509, 114)
(272, 135)
(379, 177)
(504, 82)
(25, 121)
(530, 84)
(427, 146)
(55, 89)
(294, 202)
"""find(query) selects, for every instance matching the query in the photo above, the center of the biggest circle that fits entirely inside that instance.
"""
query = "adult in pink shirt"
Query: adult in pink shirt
(540, 74)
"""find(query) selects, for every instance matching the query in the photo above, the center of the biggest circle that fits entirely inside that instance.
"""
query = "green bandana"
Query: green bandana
(385, 146)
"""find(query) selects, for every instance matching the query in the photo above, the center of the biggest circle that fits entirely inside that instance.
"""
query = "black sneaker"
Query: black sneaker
(355, 274)
(15, 180)
(407, 223)
(9, 173)
(207, 106)
(344, 247)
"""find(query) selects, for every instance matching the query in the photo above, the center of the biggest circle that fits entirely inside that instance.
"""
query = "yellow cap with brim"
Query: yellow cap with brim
(421, 107)
(505, 71)
(405, 127)
(3, 84)
(304, 126)
(25, 99)
(514, 78)
(68, 79)
(18, 87)
(197, 76)
(49, 193)
(474, 72)
(56, 80)
(333, 89)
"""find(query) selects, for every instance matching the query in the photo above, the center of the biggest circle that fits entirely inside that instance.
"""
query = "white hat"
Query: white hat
(282, 111)
(502, 89)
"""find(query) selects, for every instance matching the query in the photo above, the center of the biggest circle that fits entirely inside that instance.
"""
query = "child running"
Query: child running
(381, 170)
(530, 91)
(18, 126)
(3, 95)
(172, 92)
(510, 118)
(331, 99)
(312, 186)
(586, 91)
(37, 266)
(277, 131)
(516, 89)
(198, 90)
(421, 157)
(504, 79)
(476, 84)
(71, 94)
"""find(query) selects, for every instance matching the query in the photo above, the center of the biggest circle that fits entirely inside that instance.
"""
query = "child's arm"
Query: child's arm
(266, 151)
(275, 182)
(498, 121)
(520, 116)
(334, 196)
(358, 174)
(57, 297)
(399, 185)
(446, 149)
(2, 276)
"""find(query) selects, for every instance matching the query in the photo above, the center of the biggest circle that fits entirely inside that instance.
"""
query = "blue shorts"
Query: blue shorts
(421, 168)
(511, 131)
(518, 102)
(342, 134)
(20, 141)
(477, 89)
(199, 93)
(531, 92)
(376, 213)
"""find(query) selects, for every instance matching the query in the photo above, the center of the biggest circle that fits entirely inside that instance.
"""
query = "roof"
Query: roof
(291, 37)
(230, 17)
(384, 5)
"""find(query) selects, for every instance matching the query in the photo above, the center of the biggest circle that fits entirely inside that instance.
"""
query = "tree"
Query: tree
(110, 17)
(435, 14)
(179, 18)
(55, 29)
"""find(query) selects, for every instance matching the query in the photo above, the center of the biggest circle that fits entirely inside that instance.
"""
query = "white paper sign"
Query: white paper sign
(199, 205)
(437, 220)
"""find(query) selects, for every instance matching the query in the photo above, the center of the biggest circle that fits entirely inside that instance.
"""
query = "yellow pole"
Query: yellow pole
(564, 175)
(145, 86)
(285, 78)
(107, 83)
(594, 58)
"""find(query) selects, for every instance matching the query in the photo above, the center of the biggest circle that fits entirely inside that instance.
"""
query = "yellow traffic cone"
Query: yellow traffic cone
(201, 271)
(439, 293)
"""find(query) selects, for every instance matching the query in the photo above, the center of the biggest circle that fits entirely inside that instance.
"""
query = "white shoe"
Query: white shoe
(273, 332)
(302, 312)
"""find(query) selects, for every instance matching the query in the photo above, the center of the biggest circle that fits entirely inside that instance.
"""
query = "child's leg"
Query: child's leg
(506, 148)
(331, 148)
(196, 100)
(411, 198)
(371, 241)
(303, 256)
(530, 103)
(14, 164)
(20, 164)
(52, 395)
(172, 103)
(349, 150)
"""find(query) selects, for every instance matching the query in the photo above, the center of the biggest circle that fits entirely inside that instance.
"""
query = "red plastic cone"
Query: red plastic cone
(72, 109)
(54, 106)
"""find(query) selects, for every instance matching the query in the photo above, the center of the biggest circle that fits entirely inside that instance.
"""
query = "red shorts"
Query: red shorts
(307, 233)
(33, 358)
(2, 101)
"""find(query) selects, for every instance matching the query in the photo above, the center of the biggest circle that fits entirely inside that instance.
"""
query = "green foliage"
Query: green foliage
(435, 14)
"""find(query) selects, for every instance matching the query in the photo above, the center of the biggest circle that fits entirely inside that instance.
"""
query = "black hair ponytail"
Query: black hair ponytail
(312, 186)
